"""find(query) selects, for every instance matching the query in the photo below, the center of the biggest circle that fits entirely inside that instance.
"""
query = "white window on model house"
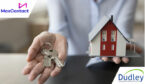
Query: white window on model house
(113, 35)
(112, 47)
(103, 47)
(104, 35)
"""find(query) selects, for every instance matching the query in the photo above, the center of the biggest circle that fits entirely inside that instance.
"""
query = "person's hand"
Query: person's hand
(35, 59)
(117, 60)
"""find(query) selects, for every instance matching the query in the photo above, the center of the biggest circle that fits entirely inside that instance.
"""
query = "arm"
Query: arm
(35, 66)
(57, 18)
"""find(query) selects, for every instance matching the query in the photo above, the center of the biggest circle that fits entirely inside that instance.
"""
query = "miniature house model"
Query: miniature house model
(106, 39)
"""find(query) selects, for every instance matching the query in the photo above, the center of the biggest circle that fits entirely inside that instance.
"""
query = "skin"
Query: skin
(35, 67)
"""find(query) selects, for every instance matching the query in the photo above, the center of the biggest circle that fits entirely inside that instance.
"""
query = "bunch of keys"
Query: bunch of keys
(51, 55)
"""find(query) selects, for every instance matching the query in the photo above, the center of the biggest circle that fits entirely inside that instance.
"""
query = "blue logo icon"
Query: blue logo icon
(129, 76)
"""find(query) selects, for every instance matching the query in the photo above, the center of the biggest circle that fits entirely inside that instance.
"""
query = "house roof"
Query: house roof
(99, 26)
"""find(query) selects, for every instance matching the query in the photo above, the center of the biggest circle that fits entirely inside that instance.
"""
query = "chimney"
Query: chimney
(112, 18)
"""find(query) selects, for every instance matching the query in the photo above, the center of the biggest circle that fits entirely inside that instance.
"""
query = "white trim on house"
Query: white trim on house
(98, 27)
(101, 25)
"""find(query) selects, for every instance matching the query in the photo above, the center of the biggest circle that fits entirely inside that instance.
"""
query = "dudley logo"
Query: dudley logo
(133, 75)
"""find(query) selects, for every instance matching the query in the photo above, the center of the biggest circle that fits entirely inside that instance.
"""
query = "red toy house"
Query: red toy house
(106, 39)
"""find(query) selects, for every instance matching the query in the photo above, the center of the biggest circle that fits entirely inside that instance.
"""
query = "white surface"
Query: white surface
(11, 66)
(121, 45)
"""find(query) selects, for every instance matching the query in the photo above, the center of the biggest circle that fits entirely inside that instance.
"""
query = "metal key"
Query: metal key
(47, 61)
(58, 62)
(55, 58)
(47, 58)
(50, 55)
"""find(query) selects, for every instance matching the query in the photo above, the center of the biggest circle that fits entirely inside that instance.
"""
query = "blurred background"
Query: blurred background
(17, 34)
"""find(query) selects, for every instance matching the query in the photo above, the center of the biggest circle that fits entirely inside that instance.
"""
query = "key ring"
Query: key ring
(47, 46)
(44, 51)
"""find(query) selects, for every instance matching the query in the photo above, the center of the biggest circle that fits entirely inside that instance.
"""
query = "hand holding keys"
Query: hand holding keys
(36, 63)
(51, 55)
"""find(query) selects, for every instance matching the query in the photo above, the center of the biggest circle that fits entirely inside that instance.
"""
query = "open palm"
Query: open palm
(35, 59)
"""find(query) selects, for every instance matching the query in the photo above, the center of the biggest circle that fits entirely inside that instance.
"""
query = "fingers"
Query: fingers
(36, 71)
(56, 71)
(45, 75)
(29, 67)
(31, 64)
(38, 43)
(116, 60)
(105, 58)
(47, 37)
(61, 46)
(48, 72)
(138, 49)
(131, 47)
(39, 57)
(34, 48)
(125, 60)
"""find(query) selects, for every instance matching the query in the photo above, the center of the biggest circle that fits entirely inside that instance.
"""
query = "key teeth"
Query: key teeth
(54, 56)
(61, 65)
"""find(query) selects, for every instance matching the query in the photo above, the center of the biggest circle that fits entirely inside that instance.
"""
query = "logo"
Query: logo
(133, 75)
(22, 5)
(130, 75)
(16, 8)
